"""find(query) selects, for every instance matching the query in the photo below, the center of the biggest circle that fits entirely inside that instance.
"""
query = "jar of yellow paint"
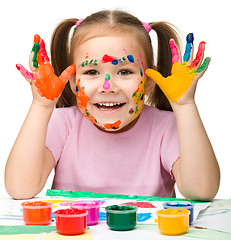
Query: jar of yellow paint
(173, 221)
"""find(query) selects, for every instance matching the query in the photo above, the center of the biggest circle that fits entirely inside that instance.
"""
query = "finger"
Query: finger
(67, 73)
(35, 50)
(204, 65)
(189, 47)
(43, 52)
(199, 56)
(154, 75)
(28, 75)
(37, 58)
(37, 38)
(175, 52)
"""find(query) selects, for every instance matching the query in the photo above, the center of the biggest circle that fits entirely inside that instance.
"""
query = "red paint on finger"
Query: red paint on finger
(175, 53)
(25, 73)
(43, 52)
(198, 56)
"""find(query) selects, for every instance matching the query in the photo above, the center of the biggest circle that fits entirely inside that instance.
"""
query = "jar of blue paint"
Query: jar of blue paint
(181, 204)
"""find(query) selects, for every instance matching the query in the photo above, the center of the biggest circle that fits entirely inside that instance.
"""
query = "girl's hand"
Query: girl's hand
(46, 86)
(180, 87)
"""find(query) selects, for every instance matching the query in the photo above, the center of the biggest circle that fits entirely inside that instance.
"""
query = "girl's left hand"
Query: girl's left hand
(180, 86)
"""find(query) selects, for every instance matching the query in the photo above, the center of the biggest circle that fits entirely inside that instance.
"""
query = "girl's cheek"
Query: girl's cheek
(82, 97)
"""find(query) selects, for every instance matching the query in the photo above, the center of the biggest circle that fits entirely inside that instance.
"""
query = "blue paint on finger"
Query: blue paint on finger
(189, 39)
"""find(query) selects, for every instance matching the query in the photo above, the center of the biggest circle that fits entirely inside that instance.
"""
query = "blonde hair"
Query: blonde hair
(107, 22)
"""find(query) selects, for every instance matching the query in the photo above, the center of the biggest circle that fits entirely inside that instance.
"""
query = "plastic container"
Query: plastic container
(92, 207)
(173, 221)
(37, 213)
(122, 217)
(182, 204)
(71, 221)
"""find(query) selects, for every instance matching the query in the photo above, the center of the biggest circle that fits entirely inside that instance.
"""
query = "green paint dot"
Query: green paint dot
(107, 77)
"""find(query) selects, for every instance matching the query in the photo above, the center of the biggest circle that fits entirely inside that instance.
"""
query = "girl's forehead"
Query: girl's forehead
(116, 46)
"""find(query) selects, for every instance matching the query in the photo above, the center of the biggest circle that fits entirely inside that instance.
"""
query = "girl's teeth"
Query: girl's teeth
(105, 106)
(109, 104)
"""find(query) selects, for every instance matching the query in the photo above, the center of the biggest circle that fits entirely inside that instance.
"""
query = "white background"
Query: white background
(208, 20)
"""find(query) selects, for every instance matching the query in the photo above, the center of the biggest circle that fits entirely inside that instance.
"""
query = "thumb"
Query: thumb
(67, 73)
(154, 75)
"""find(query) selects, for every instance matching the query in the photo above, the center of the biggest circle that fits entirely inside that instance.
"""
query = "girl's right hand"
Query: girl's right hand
(46, 86)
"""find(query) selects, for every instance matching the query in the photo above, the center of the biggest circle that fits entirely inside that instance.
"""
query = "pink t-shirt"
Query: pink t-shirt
(135, 162)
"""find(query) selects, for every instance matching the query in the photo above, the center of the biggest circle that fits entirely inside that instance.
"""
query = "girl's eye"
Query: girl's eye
(124, 72)
(91, 72)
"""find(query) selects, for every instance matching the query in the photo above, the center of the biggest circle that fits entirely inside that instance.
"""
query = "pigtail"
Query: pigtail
(164, 33)
(60, 58)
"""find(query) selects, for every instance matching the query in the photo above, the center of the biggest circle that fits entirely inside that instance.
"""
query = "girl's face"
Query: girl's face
(110, 81)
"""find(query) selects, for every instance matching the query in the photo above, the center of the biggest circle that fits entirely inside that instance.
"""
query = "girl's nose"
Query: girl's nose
(108, 85)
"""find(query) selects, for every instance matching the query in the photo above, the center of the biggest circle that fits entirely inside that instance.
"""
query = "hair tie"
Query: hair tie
(78, 22)
(147, 27)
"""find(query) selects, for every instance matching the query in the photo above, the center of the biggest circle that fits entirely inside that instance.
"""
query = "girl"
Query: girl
(102, 137)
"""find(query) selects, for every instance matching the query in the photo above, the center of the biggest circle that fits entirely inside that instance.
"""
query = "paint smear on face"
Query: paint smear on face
(113, 60)
(139, 94)
(82, 100)
(106, 84)
(113, 126)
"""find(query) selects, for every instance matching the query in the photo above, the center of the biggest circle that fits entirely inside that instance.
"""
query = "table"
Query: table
(212, 223)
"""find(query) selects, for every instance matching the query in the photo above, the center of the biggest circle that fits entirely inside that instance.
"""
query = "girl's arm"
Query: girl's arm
(30, 162)
(196, 172)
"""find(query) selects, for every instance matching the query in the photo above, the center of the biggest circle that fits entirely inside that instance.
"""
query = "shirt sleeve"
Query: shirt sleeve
(170, 145)
(57, 133)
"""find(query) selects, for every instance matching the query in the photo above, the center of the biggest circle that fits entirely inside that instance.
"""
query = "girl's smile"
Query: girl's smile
(110, 81)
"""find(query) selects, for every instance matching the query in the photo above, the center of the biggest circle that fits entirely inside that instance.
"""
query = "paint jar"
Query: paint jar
(92, 207)
(181, 204)
(173, 221)
(37, 213)
(122, 217)
(71, 221)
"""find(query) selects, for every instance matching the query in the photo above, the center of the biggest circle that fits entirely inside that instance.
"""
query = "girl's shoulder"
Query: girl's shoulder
(157, 114)
(66, 115)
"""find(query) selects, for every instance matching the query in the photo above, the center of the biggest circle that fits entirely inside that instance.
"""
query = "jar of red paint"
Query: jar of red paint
(71, 221)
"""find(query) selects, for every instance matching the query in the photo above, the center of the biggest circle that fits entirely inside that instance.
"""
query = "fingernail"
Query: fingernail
(190, 38)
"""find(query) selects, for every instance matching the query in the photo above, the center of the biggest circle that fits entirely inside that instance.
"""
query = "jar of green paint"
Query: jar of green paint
(122, 217)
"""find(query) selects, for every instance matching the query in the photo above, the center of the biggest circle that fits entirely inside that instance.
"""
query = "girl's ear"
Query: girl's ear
(73, 84)
(150, 84)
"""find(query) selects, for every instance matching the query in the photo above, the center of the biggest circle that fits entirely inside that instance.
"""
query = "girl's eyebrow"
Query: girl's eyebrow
(99, 62)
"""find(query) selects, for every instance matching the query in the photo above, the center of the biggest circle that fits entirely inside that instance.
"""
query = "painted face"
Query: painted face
(110, 81)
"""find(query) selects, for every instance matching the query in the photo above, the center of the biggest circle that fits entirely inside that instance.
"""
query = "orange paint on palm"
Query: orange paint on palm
(47, 83)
